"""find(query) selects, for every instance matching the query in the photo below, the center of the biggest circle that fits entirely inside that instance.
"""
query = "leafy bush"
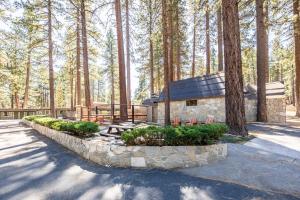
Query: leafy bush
(81, 129)
(33, 117)
(175, 136)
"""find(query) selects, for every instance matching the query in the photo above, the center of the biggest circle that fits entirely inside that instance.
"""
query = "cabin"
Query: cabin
(204, 96)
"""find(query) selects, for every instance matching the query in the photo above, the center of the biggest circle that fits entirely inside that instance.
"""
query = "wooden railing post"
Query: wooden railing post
(132, 113)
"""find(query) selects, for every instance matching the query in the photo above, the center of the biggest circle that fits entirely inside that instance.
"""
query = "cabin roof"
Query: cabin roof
(209, 86)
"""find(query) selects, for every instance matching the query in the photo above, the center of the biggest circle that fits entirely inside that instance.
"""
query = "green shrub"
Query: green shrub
(33, 117)
(81, 129)
(175, 136)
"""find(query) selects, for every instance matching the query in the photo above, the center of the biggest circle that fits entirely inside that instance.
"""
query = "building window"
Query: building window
(191, 103)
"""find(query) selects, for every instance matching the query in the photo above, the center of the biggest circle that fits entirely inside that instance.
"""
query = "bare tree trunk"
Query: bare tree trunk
(170, 39)
(50, 52)
(28, 71)
(112, 76)
(220, 40)
(262, 61)
(71, 88)
(266, 13)
(178, 48)
(151, 49)
(128, 55)
(166, 64)
(207, 39)
(194, 45)
(234, 98)
(17, 100)
(78, 54)
(296, 6)
(158, 79)
(12, 101)
(85, 60)
(122, 73)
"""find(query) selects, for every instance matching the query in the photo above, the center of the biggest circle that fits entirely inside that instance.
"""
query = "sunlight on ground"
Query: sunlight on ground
(194, 193)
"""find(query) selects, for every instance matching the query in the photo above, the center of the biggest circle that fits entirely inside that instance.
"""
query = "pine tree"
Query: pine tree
(262, 60)
(234, 97)
(122, 73)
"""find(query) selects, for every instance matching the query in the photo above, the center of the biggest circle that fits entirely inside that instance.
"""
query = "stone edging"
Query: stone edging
(165, 157)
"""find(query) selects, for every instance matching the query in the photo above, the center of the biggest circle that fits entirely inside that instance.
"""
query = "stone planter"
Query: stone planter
(165, 157)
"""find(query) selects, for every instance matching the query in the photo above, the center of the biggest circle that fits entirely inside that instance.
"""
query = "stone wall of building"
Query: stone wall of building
(215, 107)
(107, 154)
(276, 109)
(205, 107)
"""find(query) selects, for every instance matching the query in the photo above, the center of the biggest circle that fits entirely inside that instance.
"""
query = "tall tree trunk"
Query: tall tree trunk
(151, 49)
(28, 71)
(78, 54)
(220, 39)
(12, 101)
(170, 39)
(234, 97)
(71, 89)
(112, 76)
(128, 54)
(296, 6)
(266, 13)
(262, 61)
(122, 73)
(17, 100)
(50, 52)
(166, 64)
(178, 47)
(207, 30)
(194, 45)
(85, 60)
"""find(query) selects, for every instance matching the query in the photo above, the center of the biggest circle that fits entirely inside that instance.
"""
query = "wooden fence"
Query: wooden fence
(6, 114)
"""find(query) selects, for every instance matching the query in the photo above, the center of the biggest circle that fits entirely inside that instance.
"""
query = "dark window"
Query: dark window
(191, 103)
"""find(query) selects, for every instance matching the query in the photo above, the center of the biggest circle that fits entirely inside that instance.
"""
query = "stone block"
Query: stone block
(138, 162)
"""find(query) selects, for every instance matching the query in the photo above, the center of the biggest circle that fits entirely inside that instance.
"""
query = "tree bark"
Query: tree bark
(234, 97)
(128, 54)
(207, 39)
(50, 52)
(194, 45)
(220, 40)
(71, 89)
(28, 71)
(166, 64)
(178, 47)
(262, 61)
(17, 100)
(85, 60)
(170, 39)
(122, 73)
(296, 8)
(78, 54)
(151, 49)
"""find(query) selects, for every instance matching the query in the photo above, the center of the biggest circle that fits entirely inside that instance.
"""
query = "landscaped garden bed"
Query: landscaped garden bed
(80, 129)
(152, 147)
(205, 134)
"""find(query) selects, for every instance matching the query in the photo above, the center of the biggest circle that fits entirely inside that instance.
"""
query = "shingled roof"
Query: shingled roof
(208, 86)
(195, 88)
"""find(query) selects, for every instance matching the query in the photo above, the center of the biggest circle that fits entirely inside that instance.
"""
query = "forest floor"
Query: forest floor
(270, 161)
(34, 167)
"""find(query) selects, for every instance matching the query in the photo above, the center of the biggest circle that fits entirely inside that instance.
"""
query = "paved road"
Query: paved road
(270, 162)
(33, 167)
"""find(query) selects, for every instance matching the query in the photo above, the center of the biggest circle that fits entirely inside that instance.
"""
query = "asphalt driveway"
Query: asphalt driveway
(34, 167)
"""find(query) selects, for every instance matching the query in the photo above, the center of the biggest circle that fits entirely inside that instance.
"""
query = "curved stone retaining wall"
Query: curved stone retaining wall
(166, 157)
